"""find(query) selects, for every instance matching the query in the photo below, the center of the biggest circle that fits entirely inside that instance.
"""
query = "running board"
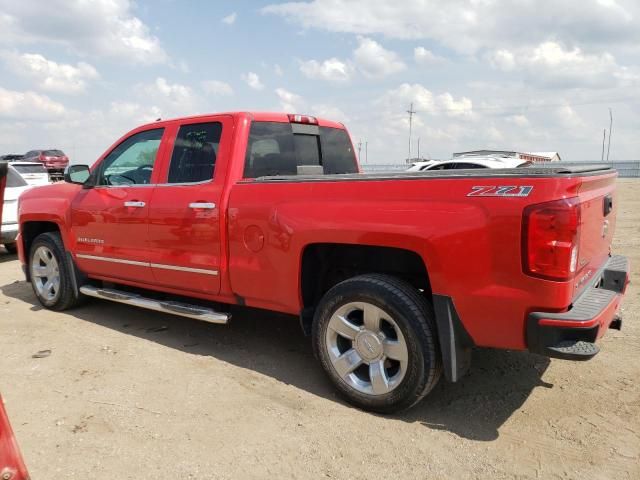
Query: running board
(175, 308)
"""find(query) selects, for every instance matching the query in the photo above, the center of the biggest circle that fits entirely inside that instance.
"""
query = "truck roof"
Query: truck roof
(254, 116)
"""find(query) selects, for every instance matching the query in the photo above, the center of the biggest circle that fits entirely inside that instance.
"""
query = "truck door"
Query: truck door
(184, 213)
(110, 220)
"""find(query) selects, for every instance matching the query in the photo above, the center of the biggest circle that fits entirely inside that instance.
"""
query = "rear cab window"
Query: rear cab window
(277, 149)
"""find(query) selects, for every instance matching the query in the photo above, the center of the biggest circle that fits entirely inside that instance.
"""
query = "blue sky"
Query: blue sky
(525, 75)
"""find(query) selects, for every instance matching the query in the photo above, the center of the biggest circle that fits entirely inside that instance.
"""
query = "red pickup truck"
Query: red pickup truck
(395, 276)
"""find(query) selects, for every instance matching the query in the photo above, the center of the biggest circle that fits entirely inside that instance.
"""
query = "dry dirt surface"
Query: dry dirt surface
(131, 394)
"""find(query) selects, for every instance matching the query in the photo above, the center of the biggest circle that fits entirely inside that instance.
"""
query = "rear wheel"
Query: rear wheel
(50, 273)
(375, 337)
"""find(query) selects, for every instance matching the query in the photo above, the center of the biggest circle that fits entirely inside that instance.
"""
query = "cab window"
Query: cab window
(131, 162)
(195, 152)
(277, 149)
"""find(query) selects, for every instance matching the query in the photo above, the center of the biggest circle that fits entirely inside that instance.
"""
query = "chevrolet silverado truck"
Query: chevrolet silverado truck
(396, 276)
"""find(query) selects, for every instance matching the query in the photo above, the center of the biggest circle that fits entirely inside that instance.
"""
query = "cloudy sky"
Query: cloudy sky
(535, 75)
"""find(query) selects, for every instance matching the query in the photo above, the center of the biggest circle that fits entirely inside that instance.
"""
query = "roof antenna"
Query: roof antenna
(158, 119)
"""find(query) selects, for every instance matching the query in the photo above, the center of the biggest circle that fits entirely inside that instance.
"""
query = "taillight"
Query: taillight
(293, 118)
(550, 236)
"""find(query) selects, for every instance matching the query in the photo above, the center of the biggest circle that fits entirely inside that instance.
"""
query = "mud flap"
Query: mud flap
(455, 342)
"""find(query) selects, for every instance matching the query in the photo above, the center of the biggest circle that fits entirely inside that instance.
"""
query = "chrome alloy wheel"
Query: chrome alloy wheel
(366, 348)
(45, 273)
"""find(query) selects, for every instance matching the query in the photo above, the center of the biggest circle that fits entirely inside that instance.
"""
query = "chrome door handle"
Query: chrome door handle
(203, 205)
(134, 204)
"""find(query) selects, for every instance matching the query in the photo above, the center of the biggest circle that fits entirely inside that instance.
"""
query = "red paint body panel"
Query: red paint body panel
(255, 238)
(11, 462)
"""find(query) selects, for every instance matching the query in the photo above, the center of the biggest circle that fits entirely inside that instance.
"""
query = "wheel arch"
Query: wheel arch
(29, 231)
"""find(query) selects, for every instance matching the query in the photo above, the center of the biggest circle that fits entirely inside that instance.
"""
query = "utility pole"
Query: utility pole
(604, 135)
(418, 148)
(366, 152)
(411, 111)
(360, 148)
(610, 126)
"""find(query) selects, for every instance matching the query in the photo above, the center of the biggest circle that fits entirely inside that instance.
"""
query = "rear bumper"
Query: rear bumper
(8, 233)
(593, 312)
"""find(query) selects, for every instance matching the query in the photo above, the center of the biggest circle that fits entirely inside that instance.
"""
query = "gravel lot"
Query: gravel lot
(131, 394)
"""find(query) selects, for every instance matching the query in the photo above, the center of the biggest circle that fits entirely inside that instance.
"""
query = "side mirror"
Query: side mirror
(78, 174)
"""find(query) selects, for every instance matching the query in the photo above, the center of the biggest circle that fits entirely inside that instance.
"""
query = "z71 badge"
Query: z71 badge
(500, 191)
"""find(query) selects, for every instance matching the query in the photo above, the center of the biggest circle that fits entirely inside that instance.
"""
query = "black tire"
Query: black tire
(65, 297)
(412, 314)
(12, 248)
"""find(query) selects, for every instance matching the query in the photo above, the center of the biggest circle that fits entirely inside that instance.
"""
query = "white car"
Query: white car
(465, 163)
(419, 166)
(35, 174)
(16, 184)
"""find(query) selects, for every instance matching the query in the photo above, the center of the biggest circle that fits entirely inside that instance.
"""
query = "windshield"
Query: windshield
(53, 153)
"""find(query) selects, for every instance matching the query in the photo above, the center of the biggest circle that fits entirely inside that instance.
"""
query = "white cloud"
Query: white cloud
(289, 101)
(253, 80)
(28, 105)
(168, 99)
(230, 19)
(502, 59)
(49, 75)
(216, 87)
(331, 70)
(400, 98)
(99, 27)
(469, 26)
(423, 56)
(374, 60)
(518, 120)
(452, 107)
(569, 118)
(551, 64)
(277, 69)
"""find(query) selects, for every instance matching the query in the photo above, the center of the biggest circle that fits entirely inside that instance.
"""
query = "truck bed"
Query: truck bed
(537, 171)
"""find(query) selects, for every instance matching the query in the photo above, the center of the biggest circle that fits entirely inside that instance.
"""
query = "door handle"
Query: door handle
(135, 204)
(202, 205)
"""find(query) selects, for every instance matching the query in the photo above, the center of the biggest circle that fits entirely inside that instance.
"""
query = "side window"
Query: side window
(194, 153)
(131, 162)
(14, 179)
(270, 150)
(462, 166)
(444, 166)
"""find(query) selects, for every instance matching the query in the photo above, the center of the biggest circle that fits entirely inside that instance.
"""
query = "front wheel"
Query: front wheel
(50, 273)
(376, 339)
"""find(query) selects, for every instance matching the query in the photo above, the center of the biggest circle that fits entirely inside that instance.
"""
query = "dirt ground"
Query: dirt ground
(131, 394)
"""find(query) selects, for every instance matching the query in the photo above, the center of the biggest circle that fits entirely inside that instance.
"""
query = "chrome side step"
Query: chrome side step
(175, 308)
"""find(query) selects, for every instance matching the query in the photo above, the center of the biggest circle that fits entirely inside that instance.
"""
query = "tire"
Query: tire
(47, 263)
(12, 248)
(389, 378)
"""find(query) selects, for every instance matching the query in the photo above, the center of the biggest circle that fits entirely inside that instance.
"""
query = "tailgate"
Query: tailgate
(598, 206)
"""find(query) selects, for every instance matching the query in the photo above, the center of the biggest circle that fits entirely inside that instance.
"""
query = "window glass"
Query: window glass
(30, 168)
(337, 152)
(307, 149)
(194, 153)
(444, 166)
(53, 153)
(131, 162)
(274, 149)
(463, 165)
(14, 179)
(270, 150)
